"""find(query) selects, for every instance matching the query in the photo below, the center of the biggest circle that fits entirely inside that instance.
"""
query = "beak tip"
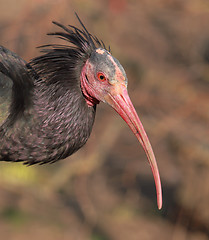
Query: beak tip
(159, 198)
(159, 204)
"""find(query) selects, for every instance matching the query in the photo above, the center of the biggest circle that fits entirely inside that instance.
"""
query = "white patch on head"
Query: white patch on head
(100, 51)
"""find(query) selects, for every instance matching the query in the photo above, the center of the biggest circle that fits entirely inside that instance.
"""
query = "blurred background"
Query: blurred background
(106, 190)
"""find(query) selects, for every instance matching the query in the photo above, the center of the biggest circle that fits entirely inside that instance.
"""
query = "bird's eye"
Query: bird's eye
(101, 77)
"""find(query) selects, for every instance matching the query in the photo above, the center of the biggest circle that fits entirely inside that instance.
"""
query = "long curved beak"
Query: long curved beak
(122, 104)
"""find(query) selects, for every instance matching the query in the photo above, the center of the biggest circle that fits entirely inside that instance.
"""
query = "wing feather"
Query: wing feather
(15, 84)
(5, 97)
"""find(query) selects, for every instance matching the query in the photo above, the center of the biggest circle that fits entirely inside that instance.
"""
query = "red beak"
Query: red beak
(123, 105)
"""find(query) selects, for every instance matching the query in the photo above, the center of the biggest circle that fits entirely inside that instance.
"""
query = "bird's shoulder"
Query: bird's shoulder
(15, 82)
(5, 96)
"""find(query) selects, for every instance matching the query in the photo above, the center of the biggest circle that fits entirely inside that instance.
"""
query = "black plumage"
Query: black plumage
(48, 118)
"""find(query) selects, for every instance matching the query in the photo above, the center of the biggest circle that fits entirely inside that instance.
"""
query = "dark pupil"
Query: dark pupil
(101, 77)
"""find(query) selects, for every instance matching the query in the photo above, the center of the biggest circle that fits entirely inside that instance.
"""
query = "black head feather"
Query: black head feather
(61, 61)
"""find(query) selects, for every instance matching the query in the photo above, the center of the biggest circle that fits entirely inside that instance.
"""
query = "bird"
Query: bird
(48, 105)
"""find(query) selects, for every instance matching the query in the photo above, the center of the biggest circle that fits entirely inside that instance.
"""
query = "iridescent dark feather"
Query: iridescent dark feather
(48, 118)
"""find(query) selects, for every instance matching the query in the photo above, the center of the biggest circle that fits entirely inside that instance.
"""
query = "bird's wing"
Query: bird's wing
(5, 97)
(5, 85)
(12, 72)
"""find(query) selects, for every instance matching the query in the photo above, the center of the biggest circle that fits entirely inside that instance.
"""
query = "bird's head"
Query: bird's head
(102, 79)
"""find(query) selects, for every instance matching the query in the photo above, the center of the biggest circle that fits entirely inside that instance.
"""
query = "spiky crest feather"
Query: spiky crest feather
(61, 61)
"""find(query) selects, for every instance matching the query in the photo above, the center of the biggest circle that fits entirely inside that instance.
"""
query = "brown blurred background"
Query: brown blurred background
(106, 190)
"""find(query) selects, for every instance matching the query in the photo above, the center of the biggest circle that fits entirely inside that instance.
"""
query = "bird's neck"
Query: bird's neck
(91, 101)
(54, 104)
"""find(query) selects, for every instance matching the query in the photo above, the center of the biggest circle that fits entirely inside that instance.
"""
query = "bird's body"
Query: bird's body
(48, 106)
(51, 121)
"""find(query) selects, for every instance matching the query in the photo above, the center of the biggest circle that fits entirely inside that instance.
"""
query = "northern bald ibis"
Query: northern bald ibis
(48, 105)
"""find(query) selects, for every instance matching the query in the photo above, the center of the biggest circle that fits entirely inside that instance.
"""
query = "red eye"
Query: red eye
(101, 77)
